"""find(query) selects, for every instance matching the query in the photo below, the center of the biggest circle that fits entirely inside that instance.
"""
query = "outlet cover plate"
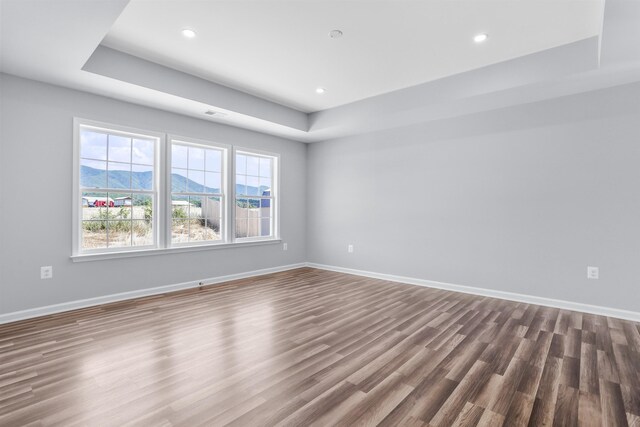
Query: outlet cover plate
(46, 272)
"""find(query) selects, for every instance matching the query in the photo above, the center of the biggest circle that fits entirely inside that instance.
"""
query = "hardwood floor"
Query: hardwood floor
(311, 347)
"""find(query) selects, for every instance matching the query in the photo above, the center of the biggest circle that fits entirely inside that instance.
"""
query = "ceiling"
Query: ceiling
(257, 64)
(281, 50)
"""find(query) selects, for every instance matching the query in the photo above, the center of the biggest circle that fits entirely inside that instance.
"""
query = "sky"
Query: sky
(202, 165)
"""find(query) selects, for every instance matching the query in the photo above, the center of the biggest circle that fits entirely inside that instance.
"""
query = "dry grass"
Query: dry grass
(128, 228)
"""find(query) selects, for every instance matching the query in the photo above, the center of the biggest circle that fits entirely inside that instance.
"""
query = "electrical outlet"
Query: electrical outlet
(350, 249)
(284, 247)
(46, 272)
(593, 273)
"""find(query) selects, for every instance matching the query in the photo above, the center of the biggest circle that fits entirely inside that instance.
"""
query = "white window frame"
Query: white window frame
(158, 197)
(224, 176)
(274, 197)
(162, 208)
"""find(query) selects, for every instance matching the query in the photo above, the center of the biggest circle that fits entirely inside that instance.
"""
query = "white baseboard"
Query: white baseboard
(512, 296)
(530, 299)
(89, 302)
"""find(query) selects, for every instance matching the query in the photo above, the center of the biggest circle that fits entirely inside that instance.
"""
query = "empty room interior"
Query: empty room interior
(320, 212)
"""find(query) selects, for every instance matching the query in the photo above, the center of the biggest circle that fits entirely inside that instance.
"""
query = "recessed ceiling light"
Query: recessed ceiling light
(320, 90)
(335, 34)
(479, 38)
(188, 33)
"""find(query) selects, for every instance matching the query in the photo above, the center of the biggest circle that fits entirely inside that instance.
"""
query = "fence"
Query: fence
(250, 222)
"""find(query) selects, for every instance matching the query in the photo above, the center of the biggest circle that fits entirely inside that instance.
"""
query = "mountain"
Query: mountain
(91, 177)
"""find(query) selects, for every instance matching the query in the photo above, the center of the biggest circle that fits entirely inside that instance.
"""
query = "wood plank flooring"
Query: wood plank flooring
(312, 347)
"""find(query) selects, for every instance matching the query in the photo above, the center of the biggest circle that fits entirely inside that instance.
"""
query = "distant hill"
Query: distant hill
(90, 177)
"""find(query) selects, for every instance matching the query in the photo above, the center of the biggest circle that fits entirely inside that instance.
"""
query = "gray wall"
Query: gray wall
(35, 189)
(519, 200)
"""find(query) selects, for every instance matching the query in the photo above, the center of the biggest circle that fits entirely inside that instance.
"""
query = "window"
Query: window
(197, 193)
(255, 195)
(117, 189)
(141, 190)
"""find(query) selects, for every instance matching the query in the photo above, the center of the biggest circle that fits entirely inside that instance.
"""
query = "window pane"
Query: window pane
(119, 233)
(143, 151)
(213, 160)
(266, 217)
(265, 226)
(266, 204)
(195, 207)
(119, 175)
(253, 165)
(265, 167)
(178, 156)
(180, 207)
(90, 206)
(122, 205)
(212, 213)
(142, 177)
(213, 182)
(180, 219)
(142, 233)
(265, 186)
(242, 208)
(241, 228)
(195, 183)
(143, 207)
(213, 230)
(179, 180)
(95, 200)
(198, 231)
(254, 204)
(180, 231)
(94, 224)
(203, 218)
(93, 145)
(253, 223)
(241, 184)
(93, 173)
(249, 217)
(196, 158)
(241, 164)
(253, 182)
(119, 149)
(94, 234)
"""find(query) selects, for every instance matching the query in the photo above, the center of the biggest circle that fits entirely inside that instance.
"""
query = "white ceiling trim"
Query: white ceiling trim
(73, 31)
(127, 68)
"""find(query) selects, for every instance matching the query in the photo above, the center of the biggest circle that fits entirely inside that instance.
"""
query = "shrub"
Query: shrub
(179, 213)
(117, 221)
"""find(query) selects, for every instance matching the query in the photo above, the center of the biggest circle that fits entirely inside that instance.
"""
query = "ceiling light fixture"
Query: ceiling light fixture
(188, 33)
(320, 90)
(481, 38)
(335, 34)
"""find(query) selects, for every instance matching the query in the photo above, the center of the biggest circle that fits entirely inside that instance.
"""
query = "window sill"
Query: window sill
(166, 251)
